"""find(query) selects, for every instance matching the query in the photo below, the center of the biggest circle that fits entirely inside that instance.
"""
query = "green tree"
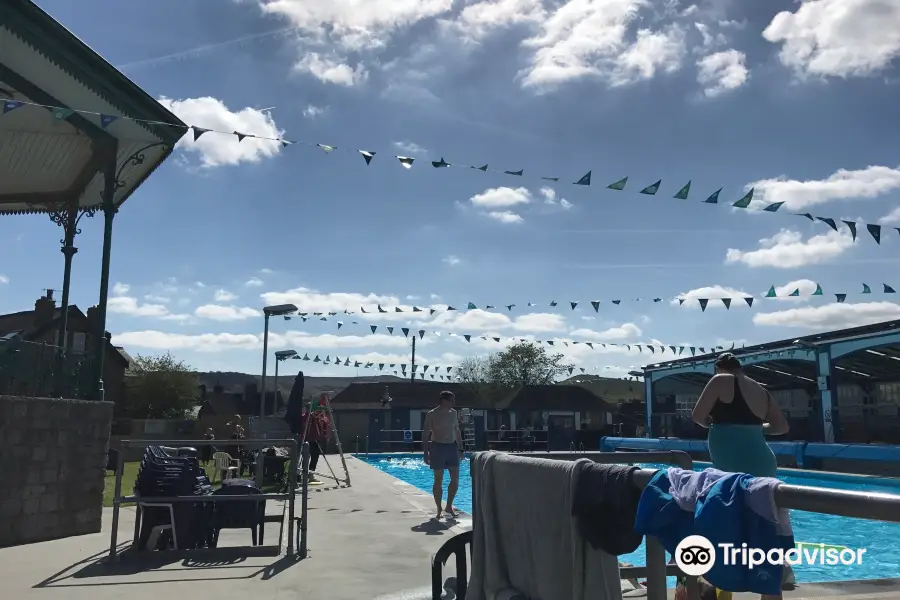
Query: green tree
(526, 363)
(159, 387)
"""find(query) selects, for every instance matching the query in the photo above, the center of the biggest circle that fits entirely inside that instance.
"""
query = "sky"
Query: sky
(796, 100)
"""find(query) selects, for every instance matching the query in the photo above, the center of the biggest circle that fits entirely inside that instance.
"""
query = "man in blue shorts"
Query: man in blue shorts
(442, 444)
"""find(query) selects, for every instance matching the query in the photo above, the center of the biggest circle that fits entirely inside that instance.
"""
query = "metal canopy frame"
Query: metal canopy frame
(119, 160)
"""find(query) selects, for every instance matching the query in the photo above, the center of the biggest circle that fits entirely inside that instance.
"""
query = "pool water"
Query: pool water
(881, 540)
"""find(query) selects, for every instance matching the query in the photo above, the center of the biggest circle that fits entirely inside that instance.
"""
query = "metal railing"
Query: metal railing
(44, 370)
(858, 505)
(119, 499)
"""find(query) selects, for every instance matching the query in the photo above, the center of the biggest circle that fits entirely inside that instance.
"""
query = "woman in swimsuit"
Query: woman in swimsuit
(739, 413)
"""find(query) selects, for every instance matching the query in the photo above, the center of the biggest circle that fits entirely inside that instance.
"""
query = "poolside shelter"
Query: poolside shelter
(837, 386)
(77, 138)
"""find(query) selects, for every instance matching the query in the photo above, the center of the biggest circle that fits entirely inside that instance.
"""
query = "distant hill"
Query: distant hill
(235, 382)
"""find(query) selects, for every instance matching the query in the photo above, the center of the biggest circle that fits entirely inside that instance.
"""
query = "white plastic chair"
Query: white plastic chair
(225, 466)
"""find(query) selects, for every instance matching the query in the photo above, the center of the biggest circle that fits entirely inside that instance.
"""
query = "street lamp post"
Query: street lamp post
(280, 310)
(281, 356)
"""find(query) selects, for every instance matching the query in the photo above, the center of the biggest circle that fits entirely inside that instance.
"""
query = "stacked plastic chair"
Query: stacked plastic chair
(162, 474)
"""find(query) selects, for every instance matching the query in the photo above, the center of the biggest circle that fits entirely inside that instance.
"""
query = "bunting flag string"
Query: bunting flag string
(728, 302)
(652, 347)
(407, 369)
(683, 193)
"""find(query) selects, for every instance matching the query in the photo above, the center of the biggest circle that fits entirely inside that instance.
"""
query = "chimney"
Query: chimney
(44, 309)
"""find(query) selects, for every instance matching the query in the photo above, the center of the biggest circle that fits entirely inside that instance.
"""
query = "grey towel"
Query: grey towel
(525, 539)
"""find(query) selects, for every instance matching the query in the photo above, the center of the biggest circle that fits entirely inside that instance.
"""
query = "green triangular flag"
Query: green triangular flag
(829, 222)
(585, 179)
(367, 154)
(749, 301)
(714, 197)
(726, 302)
(651, 190)
(619, 185)
(773, 207)
(472, 306)
(405, 331)
(596, 305)
(840, 297)
(550, 178)
(481, 168)
(866, 289)
(745, 201)
(373, 328)
(406, 161)
(852, 226)
(516, 173)
(795, 293)
(683, 192)
(875, 232)
(771, 293)
(61, 114)
(818, 291)
(888, 289)
(439, 164)
(703, 303)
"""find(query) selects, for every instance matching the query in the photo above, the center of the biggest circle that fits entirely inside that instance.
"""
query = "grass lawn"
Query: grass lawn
(129, 475)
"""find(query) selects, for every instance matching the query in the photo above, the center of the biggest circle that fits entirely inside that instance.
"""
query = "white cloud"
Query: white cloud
(217, 149)
(710, 39)
(505, 216)
(838, 38)
(153, 298)
(501, 197)
(313, 112)
(786, 250)
(218, 312)
(4, 279)
(309, 300)
(125, 305)
(490, 200)
(806, 287)
(486, 321)
(479, 19)
(550, 198)
(892, 218)
(722, 72)
(409, 148)
(870, 182)
(585, 38)
(254, 282)
(330, 69)
(352, 25)
(217, 342)
(830, 316)
(224, 296)
(712, 292)
(120, 289)
(625, 331)
(451, 260)
(539, 322)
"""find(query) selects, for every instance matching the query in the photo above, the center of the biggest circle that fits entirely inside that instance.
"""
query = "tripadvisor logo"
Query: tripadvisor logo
(695, 555)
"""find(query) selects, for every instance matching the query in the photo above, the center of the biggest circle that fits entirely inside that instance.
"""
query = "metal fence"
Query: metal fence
(44, 370)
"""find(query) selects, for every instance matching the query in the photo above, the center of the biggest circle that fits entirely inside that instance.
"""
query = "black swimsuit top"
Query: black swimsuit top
(735, 412)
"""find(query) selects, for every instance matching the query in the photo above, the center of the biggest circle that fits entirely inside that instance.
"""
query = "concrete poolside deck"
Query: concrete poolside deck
(371, 541)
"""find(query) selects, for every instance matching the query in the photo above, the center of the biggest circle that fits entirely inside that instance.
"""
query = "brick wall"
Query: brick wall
(53, 455)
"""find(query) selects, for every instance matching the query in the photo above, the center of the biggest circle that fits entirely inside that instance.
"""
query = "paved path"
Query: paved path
(373, 539)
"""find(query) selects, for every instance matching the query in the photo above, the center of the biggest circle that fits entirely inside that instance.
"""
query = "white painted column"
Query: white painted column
(824, 384)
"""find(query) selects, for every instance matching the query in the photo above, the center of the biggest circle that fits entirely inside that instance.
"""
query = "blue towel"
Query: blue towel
(721, 516)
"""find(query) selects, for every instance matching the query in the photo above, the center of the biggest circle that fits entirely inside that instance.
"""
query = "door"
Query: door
(560, 432)
(376, 421)
(480, 443)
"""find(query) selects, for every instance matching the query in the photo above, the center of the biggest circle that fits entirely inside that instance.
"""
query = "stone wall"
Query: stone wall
(53, 455)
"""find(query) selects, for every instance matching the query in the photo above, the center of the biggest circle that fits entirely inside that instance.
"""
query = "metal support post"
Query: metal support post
(292, 486)
(114, 537)
(109, 212)
(304, 491)
(260, 460)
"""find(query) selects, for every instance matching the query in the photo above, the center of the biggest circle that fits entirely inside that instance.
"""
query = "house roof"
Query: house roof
(424, 395)
(22, 324)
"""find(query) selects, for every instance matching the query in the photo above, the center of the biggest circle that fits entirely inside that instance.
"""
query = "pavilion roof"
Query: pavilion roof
(51, 158)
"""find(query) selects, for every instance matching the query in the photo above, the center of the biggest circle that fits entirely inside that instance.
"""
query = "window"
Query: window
(78, 341)
(684, 404)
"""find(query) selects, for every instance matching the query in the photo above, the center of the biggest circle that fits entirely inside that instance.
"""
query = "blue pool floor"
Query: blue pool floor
(881, 540)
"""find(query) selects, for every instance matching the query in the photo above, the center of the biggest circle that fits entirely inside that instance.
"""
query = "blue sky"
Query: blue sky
(795, 98)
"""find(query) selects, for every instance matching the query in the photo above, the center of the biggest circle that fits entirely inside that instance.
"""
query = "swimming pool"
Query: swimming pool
(882, 559)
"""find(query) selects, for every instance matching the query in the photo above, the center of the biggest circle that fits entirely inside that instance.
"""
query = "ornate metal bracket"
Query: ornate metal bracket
(61, 214)
(136, 159)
